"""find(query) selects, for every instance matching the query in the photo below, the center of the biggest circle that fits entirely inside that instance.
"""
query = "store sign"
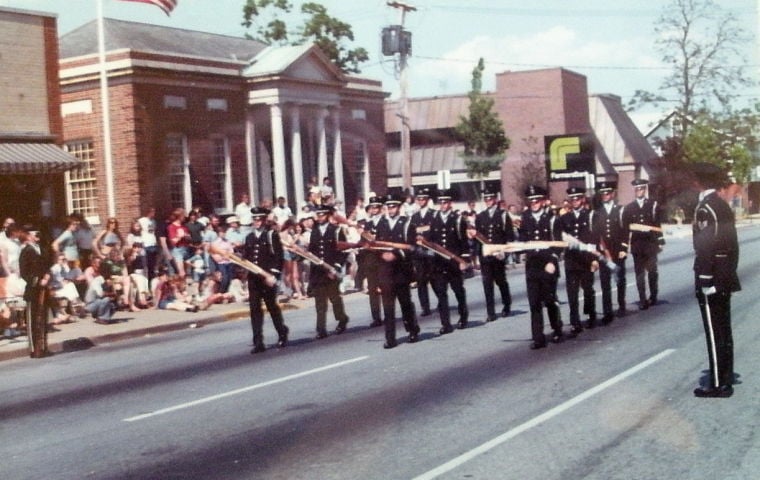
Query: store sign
(569, 157)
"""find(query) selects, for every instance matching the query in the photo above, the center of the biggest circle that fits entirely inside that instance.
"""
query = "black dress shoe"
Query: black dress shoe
(321, 334)
(491, 318)
(390, 344)
(462, 324)
(607, 319)
(591, 323)
(414, 334)
(576, 330)
(723, 391)
(341, 327)
(652, 301)
(425, 313)
(376, 323)
(259, 348)
(643, 305)
(621, 312)
(536, 345)
(506, 312)
(446, 329)
(557, 337)
(283, 341)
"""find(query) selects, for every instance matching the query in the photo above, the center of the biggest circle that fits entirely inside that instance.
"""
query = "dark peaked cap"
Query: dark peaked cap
(534, 191)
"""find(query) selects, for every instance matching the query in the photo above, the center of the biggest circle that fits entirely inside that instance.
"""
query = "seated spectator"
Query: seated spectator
(108, 239)
(239, 286)
(100, 300)
(166, 296)
(210, 292)
(140, 286)
(114, 268)
(65, 296)
(197, 265)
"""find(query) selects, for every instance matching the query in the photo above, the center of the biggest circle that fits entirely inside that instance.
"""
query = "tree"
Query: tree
(482, 132)
(329, 33)
(532, 170)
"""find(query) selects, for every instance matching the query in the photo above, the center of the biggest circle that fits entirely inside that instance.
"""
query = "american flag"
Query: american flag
(166, 5)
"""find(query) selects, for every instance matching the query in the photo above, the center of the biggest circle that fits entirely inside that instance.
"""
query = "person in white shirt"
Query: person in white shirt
(282, 212)
(149, 242)
(243, 213)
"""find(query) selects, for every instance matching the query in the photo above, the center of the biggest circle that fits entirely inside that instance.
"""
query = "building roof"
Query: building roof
(636, 146)
(120, 34)
(429, 113)
(427, 160)
(26, 158)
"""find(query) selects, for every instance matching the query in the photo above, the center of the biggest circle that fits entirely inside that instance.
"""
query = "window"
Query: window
(82, 192)
(361, 167)
(179, 179)
(175, 101)
(216, 104)
(221, 187)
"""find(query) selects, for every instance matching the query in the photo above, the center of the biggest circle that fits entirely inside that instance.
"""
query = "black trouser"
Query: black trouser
(442, 278)
(259, 291)
(324, 291)
(645, 265)
(151, 261)
(375, 300)
(716, 318)
(402, 292)
(542, 292)
(575, 280)
(605, 279)
(422, 273)
(493, 271)
(36, 320)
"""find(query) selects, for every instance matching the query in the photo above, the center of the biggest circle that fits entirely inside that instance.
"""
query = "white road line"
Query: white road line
(243, 390)
(467, 456)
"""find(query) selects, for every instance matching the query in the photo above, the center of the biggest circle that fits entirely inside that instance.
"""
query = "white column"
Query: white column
(340, 191)
(278, 153)
(250, 159)
(322, 145)
(296, 156)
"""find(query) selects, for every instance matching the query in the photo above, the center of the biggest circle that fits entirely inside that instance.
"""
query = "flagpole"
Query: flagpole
(106, 110)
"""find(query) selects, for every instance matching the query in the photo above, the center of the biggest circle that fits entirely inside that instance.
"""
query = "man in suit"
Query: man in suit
(263, 247)
(34, 269)
(368, 260)
(493, 225)
(716, 257)
(395, 271)
(541, 266)
(324, 279)
(579, 265)
(449, 231)
(646, 241)
(607, 227)
(423, 260)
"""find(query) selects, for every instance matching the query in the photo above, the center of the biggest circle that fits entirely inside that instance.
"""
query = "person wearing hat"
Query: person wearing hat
(396, 272)
(541, 266)
(368, 261)
(33, 268)
(607, 227)
(235, 234)
(716, 257)
(449, 231)
(495, 226)
(644, 245)
(264, 248)
(323, 283)
(579, 265)
(422, 260)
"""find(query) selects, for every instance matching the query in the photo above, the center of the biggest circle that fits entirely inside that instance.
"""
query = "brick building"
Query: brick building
(31, 160)
(532, 105)
(197, 119)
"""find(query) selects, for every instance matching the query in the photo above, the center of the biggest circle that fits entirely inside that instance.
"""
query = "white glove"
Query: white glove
(550, 268)
(707, 291)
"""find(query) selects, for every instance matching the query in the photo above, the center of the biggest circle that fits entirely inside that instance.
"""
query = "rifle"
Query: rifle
(443, 252)
(604, 257)
(494, 248)
(269, 279)
(289, 244)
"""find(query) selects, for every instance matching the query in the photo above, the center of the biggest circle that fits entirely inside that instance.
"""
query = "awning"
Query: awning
(34, 158)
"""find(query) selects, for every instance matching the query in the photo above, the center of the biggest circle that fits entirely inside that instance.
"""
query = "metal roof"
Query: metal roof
(427, 160)
(34, 158)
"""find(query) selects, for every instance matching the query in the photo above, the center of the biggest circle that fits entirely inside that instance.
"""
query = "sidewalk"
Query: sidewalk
(84, 333)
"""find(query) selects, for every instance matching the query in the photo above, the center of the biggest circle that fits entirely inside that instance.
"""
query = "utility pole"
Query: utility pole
(404, 50)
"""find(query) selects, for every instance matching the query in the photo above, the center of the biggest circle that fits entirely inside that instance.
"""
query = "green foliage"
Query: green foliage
(316, 25)
(482, 132)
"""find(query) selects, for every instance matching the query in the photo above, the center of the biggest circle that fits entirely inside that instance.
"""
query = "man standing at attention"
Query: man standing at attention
(716, 256)
(423, 261)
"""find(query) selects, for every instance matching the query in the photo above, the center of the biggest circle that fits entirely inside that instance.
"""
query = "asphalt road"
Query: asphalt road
(615, 403)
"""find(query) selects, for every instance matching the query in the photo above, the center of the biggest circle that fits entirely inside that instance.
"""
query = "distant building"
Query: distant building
(532, 105)
(198, 119)
(32, 163)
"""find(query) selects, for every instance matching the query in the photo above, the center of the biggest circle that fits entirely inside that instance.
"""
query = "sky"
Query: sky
(611, 42)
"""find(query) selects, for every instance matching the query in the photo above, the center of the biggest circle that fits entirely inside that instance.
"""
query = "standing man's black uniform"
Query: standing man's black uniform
(263, 247)
(423, 260)
(324, 283)
(579, 265)
(644, 245)
(369, 261)
(541, 267)
(34, 269)
(716, 250)
(607, 226)
(449, 231)
(495, 226)
(395, 272)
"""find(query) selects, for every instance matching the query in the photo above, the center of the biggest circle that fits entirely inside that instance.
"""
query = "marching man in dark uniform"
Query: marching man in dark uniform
(264, 248)
(34, 269)
(494, 226)
(607, 226)
(423, 260)
(324, 279)
(541, 267)
(646, 244)
(369, 260)
(395, 272)
(579, 265)
(716, 250)
(449, 231)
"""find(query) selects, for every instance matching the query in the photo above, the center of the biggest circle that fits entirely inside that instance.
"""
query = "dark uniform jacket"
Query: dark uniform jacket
(547, 229)
(419, 220)
(32, 268)
(648, 214)
(496, 228)
(715, 245)
(451, 234)
(265, 251)
(400, 270)
(325, 247)
(607, 229)
(580, 228)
